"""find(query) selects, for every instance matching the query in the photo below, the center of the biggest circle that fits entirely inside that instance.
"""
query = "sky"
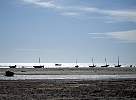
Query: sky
(65, 30)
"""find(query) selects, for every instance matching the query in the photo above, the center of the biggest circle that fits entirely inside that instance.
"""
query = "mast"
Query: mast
(118, 63)
(92, 61)
(76, 61)
(39, 60)
(105, 61)
(39, 66)
(76, 64)
(118, 60)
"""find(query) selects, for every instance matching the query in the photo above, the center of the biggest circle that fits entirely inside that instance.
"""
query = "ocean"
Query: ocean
(57, 65)
(71, 77)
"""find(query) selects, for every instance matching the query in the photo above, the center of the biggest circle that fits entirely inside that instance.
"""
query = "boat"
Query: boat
(9, 73)
(118, 63)
(106, 64)
(13, 66)
(39, 66)
(58, 64)
(92, 63)
(76, 64)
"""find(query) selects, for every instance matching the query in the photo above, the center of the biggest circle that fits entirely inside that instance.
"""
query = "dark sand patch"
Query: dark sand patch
(68, 89)
(70, 71)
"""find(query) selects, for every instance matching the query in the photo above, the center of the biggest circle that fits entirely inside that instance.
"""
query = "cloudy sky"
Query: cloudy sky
(63, 30)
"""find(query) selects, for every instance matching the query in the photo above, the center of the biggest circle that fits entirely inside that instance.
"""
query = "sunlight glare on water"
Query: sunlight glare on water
(78, 77)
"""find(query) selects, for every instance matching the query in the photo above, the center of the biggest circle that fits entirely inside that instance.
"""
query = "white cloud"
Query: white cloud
(129, 15)
(121, 14)
(70, 13)
(126, 36)
(43, 3)
(98, 37)
(125, 15)
(95, 33)
(27, 50)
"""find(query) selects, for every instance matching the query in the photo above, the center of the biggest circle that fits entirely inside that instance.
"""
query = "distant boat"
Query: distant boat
(13, 66)
(39, 66)
(9, 73)
(76, 64)
(92, 63)
(58, 64)
(118, 63)
(106, 64)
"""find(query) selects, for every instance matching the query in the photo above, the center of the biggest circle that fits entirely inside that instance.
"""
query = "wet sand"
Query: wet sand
(43, 89)
(68, 89)
(70, 71)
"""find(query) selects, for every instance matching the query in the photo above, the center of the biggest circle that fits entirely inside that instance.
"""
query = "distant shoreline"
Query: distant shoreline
(62, 65)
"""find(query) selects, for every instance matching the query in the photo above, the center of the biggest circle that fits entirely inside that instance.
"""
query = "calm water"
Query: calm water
(52, 65)
(84, 77)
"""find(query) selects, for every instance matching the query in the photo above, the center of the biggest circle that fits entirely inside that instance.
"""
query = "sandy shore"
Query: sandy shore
(70, 71)
(68, 90)
(43, 89)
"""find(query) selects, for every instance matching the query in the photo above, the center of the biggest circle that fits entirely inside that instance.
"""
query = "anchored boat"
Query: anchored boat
(118, 63)
(76, 64)
(106, 64)
(39, 66)
(92, 63)
(13, 66)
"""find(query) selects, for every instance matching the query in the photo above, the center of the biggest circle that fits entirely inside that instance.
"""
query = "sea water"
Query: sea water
(52, 65)
(76, 77)
(63, 65)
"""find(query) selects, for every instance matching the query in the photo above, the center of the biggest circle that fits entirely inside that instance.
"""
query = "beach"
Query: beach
(81, 88)
(68, 90)
(71, 71)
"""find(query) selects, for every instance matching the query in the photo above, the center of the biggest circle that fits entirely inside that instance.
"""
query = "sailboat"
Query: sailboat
(106, 64)
(76, 64)
(39, 66)
(118, 63)
(13, 66)
(92, 63)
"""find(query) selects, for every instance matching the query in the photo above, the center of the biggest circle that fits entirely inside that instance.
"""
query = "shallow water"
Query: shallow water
(82, 77)
(52, 65)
